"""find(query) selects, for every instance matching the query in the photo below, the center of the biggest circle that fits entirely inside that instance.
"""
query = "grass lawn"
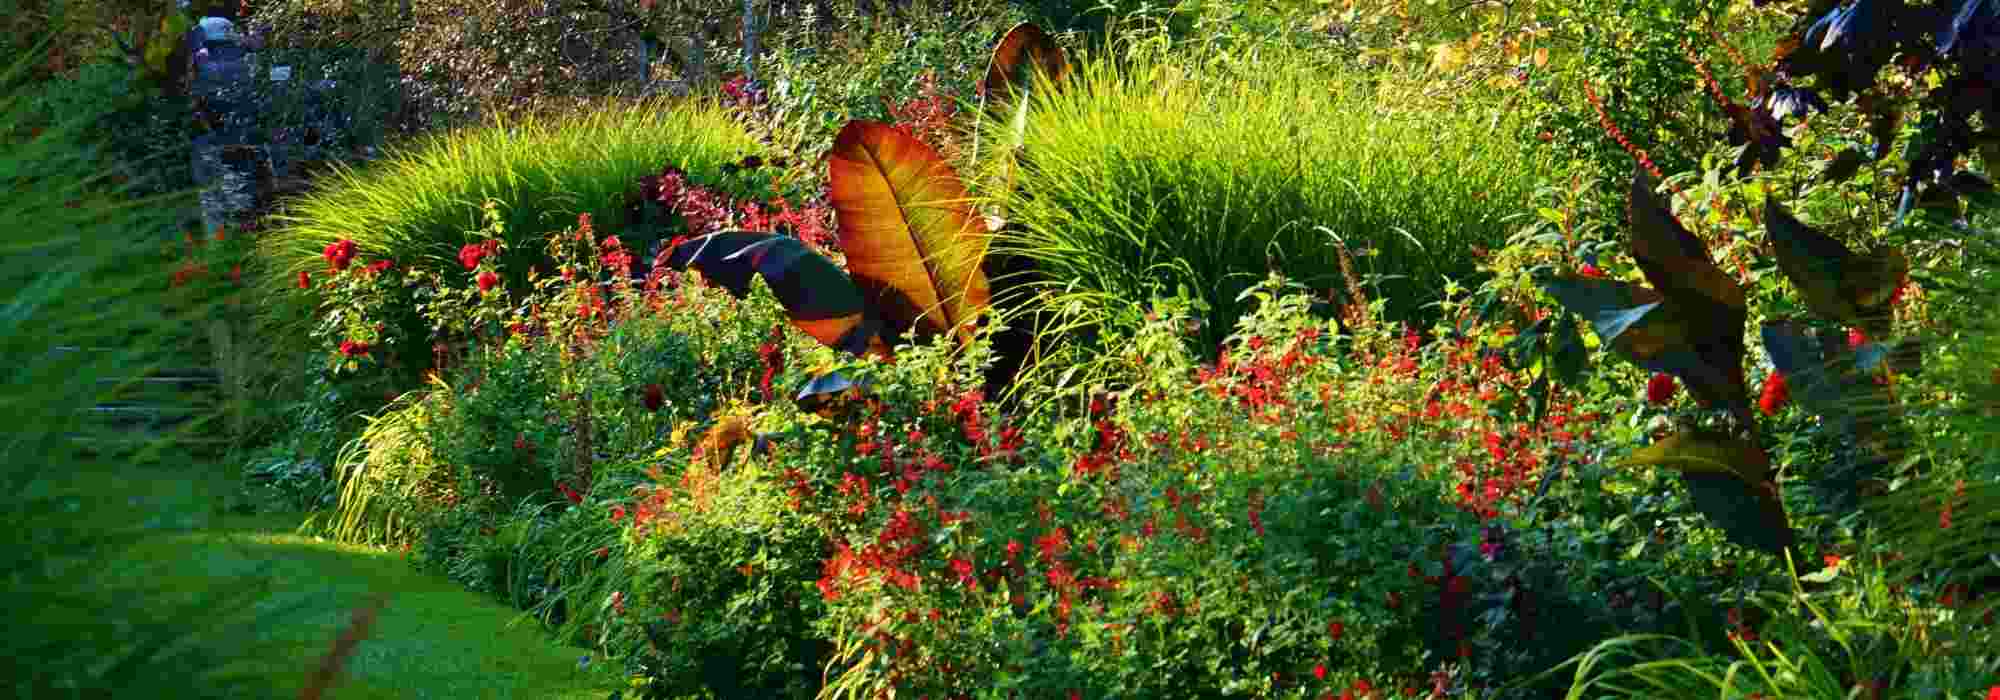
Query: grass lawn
(433, 640)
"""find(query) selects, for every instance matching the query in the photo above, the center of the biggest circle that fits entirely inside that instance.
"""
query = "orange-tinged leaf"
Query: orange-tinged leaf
(912, 244)
(1009, 72)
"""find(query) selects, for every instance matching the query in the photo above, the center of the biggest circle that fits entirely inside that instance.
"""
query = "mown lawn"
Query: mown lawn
(433, 639)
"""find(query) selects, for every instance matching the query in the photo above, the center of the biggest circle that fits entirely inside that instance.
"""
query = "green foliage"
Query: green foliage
(1109, 208)
(83, 630)
(419, 205)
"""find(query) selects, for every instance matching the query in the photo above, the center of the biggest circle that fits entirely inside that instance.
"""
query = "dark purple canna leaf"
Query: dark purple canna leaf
(1787, 102)
(1837, 284)
(1975, 20)
(1730, 480)
(1660, 335)
(1845, 165)
(1704, 306)
(1816, 374)
(819, 298)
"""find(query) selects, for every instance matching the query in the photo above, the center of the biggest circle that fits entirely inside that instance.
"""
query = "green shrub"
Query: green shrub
(418, 206)
(719, 569)
(1151, 173)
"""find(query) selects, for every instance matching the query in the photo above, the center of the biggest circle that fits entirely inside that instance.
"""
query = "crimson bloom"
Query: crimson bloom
(1856, 338)
(655, 397)
(1776, 393)
(305, 280)
(351, 348)
(470, 254)
(1589, 270)
(338, 254)
(1660, 389)
(488, 280)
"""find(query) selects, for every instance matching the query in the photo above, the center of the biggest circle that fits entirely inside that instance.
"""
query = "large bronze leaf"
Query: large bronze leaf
(1686, 339)
(1674, 260)
(1698, 293)
(1010, 74)
(909, 235)
(1730, 480)
(1838, 284)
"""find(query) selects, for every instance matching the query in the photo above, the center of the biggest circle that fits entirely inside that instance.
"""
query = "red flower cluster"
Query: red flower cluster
(1660, 389)
(1776, 393)
(350, 348)
(928, 116)
(338, 254)
(471, 254)
(772, 354)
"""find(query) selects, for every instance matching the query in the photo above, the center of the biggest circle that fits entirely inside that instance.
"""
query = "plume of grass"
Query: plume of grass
(382, 474)
(1154, 170)
(418, 204)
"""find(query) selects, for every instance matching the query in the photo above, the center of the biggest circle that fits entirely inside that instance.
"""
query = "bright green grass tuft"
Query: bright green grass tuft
(1150, 173)
(416, 205)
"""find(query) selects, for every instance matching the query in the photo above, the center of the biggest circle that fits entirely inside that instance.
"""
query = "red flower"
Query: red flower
(488, 280)
(350, 348)
(1993, 693)
(470, 254)
(338, 254)
(617, 513)
(1856, 338)
(380, 266)
(1589, 270)
(1776, 393)
(305, 280)
(963, 568)
(570, 493)
(1660, 389)
(1319, 672)
(655, 397)
(1335, 629)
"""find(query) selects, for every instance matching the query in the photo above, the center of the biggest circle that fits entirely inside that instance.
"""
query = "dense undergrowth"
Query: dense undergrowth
(1371, 350)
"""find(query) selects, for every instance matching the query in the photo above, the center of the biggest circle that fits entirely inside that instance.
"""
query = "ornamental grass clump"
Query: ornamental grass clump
(1142, 174)
(420, 205)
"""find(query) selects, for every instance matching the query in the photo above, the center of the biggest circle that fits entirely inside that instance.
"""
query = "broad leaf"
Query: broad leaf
(1751, 515)
(1010, 74)
(1663, 335)
(1730, 482)
(911, 242)
(1674, 260)
(1810, 372)
(832, 394)
(817, 296)
(1837, 284)
(1705, 452)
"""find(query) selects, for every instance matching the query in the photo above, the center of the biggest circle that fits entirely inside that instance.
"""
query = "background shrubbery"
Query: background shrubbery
(1430, 480)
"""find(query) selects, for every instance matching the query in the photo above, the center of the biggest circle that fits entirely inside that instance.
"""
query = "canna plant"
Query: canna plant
(1690, 324)
(916, 252)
